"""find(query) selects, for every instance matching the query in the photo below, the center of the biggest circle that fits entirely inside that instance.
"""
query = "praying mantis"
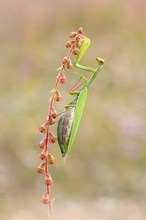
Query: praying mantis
(70, 118)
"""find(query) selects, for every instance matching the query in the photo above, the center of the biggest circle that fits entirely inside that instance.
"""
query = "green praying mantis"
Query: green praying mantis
(69, 121)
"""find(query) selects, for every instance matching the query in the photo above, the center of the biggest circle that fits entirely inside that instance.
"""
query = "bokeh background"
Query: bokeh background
(104, 176)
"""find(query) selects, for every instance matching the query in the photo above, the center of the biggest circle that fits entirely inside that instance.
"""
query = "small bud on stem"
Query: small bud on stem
(42, 143)
(80, 30)
(51, 159)
(62, 78)
(45, 198)
(43, 155)
(69, 65)
(65, 60)
(52, 138)
(75, 51)
(43, 128)
(57, 96)
(41, 168)
(68, 44)
(53, 113)
(48, 180)
(72, 34)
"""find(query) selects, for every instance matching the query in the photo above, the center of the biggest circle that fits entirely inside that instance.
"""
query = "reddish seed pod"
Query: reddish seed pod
(75, 51)
(80, 30)
(43, 127)
(53, 113)
(68, 44)
(41, 168)
(51, 159)
(52, 138)
(51, 120)
(72, 34)
(69, 65)
(78, 44)
(42, 143)
(78, 38)
(57, 96)
(45, 198)
(43, 155)
(62, 78)
(48, 180)
(65, 60)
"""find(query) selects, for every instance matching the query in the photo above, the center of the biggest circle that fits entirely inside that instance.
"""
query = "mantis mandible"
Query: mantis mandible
(69, 121)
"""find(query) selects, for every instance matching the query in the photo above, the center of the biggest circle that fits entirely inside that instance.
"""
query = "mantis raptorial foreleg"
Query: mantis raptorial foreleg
(84, 47)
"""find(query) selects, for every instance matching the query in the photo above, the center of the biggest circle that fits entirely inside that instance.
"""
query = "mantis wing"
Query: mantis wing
(78, 114)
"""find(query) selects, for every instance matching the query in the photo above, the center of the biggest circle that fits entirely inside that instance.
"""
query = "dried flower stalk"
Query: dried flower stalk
(73, 46)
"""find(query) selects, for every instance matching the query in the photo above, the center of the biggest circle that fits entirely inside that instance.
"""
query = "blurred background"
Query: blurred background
(104, 176)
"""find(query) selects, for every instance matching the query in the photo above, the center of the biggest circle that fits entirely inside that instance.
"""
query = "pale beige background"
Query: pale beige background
(104, 177)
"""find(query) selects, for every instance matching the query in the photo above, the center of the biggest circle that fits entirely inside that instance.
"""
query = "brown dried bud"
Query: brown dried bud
(52, 138)
(75, 51)
(48, 180)
(43, 155)
(80, 30)
(78, 38)
(43, 127)
(57, 96)
(65, 60)
(51, 159)
(51, 120)
(69, 65)
(53, 113)
(72, 34)
(62, 78)
(42, 143)
(68, 44)
(78, 44)
(46, 198)
(41, 168)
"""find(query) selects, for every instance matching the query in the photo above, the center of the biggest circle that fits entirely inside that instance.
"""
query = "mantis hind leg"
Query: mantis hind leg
(77, 85)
